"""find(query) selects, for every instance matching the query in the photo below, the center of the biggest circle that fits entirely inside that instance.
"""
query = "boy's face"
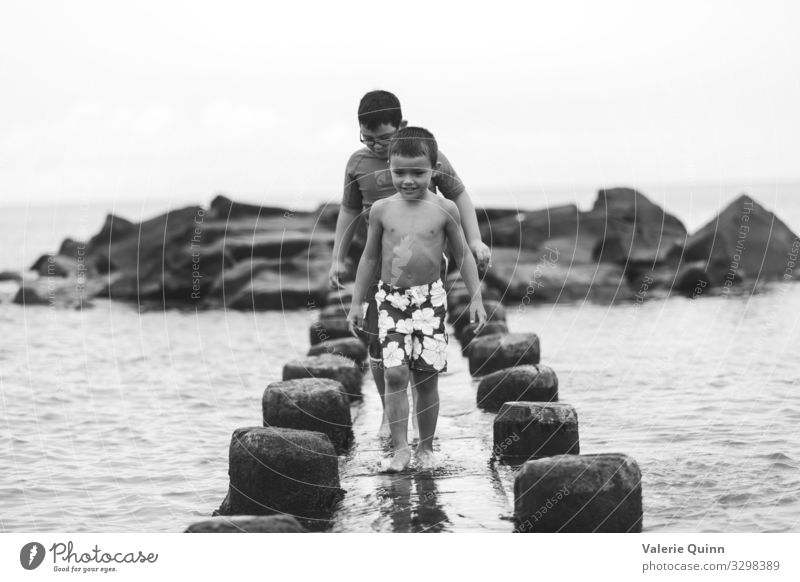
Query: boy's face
(377, 140)
(411, 176)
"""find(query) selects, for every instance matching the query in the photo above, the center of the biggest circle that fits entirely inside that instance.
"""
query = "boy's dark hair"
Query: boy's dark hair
(411, 142)
(379, 107)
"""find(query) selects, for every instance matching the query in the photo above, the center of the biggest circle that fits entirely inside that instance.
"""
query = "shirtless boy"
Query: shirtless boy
(407, 233)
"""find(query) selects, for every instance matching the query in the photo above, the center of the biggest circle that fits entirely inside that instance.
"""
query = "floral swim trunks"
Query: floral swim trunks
(411, 326)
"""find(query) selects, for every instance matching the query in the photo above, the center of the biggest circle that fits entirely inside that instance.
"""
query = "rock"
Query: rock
(340, 297)
(525, 430)
(335, 311)
(247, 524)
(310, 404)
(459, 316)
(55, 266)
(282, 470)
(329, 329)
(287, 289)
(71, 292)
(468, 333)
(494, 352)
(10, 276)
(336, 368)
(348, 347)
(693, 280)
(231, 280)
(525, 278)
(579, 494)
(224, 208)
(518, 384)
(744, 242)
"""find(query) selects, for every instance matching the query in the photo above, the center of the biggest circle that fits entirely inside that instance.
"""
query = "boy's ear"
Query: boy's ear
(403, 124)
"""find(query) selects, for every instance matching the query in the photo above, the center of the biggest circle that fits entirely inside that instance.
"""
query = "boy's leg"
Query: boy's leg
(396, 399)
(427, 385)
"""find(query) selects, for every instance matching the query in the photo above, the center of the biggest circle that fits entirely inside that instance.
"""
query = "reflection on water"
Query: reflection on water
(411, 503)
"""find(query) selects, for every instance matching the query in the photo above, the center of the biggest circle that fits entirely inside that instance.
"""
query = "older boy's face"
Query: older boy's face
(411, 176)
(377, 140)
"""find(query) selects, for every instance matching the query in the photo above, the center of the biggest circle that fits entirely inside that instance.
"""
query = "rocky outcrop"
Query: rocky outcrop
(745, 242)
(250, 257)
(247, 524)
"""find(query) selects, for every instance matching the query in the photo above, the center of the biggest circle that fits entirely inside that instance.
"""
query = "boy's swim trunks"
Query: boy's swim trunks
(411, 326)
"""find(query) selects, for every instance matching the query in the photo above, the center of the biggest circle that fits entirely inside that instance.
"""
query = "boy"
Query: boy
(367, 180)
(406, 237)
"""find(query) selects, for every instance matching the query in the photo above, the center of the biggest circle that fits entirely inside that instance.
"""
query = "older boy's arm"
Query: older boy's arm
(472, 232)
(345, 229)
(369, 263)
(467, 266)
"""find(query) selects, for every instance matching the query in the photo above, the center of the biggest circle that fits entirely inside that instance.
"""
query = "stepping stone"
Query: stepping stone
(328, 329)
(459, 316)
(579, 494)
(335, 311)
(525, 430)
(316, 404)
(348, 347)
(281, 470)
(467, 334)
(496, 352)
(337, 368)
(528, 383)
(247, 524)
(340, 296)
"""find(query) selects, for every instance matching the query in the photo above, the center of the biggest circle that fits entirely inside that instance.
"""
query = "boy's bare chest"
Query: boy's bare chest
(420, 226)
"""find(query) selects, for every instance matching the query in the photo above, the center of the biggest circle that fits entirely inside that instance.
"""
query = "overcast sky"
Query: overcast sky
(119, 101)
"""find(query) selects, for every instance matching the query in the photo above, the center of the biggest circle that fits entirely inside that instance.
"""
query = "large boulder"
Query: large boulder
(744, 242)
(495, 352)
(337, 368)
(529, 383)
(310, 404)
(529, 430)
(579, 494)
(297, 284)
(281, 470)
(247, 524)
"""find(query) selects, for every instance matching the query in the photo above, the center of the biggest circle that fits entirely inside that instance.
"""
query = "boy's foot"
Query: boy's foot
(383, 431)
(399, 461)
(426, 460)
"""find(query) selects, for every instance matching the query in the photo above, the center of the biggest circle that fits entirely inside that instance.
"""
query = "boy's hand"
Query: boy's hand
(355, 319)
(483, 255)
(477, 314)
(338, 269)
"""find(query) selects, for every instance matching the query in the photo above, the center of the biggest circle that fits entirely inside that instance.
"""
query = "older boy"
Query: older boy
(406, 237)
(367, 180)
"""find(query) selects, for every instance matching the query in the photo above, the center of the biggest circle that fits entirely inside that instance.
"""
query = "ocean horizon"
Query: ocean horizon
(29, 230)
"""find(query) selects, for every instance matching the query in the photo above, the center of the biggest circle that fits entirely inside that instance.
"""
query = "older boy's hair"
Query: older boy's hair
(379, 107)
(412, 142)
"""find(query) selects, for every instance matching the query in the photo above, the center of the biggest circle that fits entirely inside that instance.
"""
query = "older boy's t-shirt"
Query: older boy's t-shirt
(367, 179)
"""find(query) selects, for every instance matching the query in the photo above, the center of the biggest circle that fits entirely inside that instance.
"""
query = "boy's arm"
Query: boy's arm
(466, 264)
(345, 229)
(472, 232)
(370, 262)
